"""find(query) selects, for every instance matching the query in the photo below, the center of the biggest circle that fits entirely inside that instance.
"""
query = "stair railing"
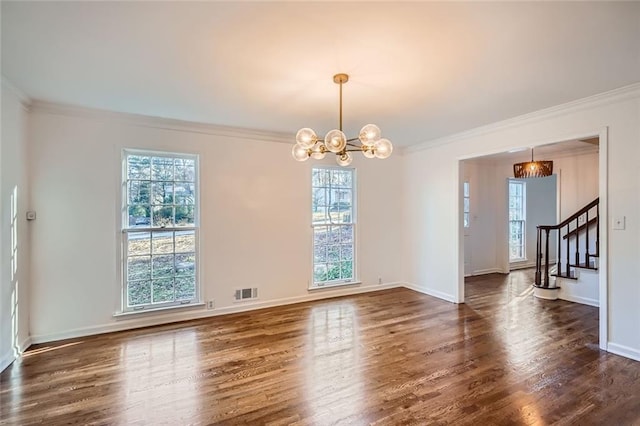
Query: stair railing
(572, 228)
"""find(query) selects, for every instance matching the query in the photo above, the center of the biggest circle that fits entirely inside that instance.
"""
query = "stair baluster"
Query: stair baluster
(567, 271)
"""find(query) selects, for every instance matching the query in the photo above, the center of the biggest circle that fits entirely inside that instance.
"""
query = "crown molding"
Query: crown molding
(612, 96)
(22, 97)
(45, 107)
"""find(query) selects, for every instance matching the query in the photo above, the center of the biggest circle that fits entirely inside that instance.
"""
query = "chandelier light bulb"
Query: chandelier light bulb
(369, 134)
(368, 151)
(383, 148)
(319, 151)
(306, 137)
(344, 159)
(300, 153)
(335, 141)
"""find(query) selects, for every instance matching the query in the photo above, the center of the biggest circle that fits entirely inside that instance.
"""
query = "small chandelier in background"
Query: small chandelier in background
(370, 142)
(531, 169)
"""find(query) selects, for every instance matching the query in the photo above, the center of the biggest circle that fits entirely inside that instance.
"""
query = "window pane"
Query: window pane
(319, 253)
(466, 206)
(185, 169)
(320, 272)
(139, 216)
(320, 236)
(185, 263)
(184, 193)
(139, 267)
(185, 288)
(346, 234)
(138, 243)
(346, 252)
(162, 242)
(465, 190)
(162, 168)
(466, 220)
(333, 271)
(138, 167)
(162, 216)
(333, 253)
(139, 292)
(138, 192)
(346, 270)
(163, 290)
(161, 193)
(185, 215)
(185, 241)
(163, 265)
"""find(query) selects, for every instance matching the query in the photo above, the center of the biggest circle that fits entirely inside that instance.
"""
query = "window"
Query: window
(159, 232)
(465, 208)
(517, 220)
(333, 222)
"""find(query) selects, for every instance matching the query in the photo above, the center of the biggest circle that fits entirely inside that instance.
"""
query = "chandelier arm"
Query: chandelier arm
(352, 144)
(351, 150)
(352, 139)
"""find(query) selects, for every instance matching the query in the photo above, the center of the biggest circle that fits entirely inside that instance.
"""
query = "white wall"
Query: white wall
(432, 212)
(14, 253)
(485, 239)
(255, 217)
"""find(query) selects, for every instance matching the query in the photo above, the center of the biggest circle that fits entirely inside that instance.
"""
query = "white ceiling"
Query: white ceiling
(418, 70)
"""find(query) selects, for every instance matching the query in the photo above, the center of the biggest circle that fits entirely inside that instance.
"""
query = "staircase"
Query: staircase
(577, 246)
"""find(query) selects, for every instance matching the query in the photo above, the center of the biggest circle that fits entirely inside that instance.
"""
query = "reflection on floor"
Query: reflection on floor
(387, 357)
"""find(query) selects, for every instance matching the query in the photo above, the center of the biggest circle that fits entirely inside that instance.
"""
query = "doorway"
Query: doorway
(573, 153)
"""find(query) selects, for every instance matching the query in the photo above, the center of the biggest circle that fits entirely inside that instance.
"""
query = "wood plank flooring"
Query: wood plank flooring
(385, 358)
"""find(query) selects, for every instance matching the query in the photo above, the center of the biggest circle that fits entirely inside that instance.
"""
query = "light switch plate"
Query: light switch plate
(618, 222)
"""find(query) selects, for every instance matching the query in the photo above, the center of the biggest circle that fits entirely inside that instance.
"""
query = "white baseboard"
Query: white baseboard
(624, 351)
(430, 292)
(579, 299)
(521, 265)
(488, 271)
(6, 360)
(151, 319)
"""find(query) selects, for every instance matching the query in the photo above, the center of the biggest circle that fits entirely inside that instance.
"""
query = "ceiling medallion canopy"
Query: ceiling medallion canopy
(532, 169)
(369, 141)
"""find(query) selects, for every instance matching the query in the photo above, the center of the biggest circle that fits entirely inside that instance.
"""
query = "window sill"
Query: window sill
(126, 314)
(333, 285)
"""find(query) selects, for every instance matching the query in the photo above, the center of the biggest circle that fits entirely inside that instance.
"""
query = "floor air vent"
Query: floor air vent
(246, 294)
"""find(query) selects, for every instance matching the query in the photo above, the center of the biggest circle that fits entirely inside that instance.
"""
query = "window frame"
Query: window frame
(522, 222)
(466, 207)
(353, 223)
(126, 230)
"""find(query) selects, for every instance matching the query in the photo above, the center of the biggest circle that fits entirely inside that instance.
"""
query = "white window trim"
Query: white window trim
(354, 214)
(122, 246)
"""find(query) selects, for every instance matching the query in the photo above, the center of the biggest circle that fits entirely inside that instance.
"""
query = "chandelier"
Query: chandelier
(532, 168)
(308, 144)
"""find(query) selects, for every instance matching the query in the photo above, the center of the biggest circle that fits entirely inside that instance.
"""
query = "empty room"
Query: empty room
(319, 213)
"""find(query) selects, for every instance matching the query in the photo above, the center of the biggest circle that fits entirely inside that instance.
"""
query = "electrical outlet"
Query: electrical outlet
(210, 304)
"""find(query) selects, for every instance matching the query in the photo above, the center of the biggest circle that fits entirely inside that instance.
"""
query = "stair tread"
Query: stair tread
(583, 266)
(563, 276)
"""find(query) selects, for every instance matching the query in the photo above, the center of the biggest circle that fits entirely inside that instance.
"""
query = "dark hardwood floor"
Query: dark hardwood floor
(388, 357)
